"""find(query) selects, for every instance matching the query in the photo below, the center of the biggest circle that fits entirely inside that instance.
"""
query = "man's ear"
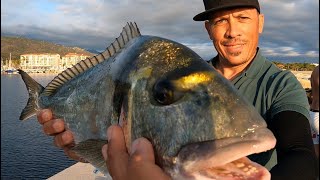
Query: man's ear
(261, 23)
(207, 24)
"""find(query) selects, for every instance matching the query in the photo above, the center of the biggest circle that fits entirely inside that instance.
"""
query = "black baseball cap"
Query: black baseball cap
(215, 5)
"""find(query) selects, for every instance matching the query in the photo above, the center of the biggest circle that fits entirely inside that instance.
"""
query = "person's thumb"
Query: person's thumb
(142, 150)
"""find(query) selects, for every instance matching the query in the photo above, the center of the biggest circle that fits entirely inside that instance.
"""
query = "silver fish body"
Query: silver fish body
(158, 89)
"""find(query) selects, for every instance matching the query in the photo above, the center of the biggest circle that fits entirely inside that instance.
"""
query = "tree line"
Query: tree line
(295, 66)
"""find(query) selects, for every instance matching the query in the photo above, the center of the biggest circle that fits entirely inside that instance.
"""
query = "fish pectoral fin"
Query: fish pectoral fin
(90, 150)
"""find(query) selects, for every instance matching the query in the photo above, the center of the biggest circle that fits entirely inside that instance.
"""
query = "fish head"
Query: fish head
(196, 120)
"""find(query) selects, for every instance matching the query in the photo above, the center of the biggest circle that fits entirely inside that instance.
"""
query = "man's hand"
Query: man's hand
(138, 164)
(55, 127)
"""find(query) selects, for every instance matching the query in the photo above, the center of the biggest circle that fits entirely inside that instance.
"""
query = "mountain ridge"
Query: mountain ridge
(17, 45)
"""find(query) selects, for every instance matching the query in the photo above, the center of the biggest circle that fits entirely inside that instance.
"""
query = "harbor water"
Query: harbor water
(26, 152)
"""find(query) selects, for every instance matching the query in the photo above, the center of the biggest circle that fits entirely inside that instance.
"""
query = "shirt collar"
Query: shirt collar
(256, 65)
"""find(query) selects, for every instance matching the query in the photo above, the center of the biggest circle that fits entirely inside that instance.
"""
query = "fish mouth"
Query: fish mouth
(226, 158)
(240, 169)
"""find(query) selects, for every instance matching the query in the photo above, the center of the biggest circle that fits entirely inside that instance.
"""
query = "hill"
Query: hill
(20, 45)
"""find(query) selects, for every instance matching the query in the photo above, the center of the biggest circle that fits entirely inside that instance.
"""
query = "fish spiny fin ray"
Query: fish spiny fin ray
(130, 31)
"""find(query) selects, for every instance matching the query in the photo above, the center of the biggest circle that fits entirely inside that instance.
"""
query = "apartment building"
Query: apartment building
(71, 59)
(39, 62)
(46, 62)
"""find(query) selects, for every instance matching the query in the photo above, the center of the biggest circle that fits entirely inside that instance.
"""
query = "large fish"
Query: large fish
(156, 88)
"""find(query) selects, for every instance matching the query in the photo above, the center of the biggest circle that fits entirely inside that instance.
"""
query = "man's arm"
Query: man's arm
(295, 152)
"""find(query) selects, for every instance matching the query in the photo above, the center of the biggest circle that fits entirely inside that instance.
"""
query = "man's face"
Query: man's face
(235, 34)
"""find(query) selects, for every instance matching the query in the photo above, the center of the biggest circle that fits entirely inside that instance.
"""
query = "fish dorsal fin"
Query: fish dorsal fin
(129, 32)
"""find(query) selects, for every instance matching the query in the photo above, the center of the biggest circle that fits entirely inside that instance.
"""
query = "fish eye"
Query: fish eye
(164, 93)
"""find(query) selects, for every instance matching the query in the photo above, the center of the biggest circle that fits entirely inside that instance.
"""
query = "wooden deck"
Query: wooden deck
(80, 171)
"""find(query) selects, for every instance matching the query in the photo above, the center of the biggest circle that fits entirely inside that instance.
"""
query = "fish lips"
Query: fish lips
(199, 156)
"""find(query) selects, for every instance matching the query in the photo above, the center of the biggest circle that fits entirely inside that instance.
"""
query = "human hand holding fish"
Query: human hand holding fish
(56, 127)
(155, 88)
(139, 164)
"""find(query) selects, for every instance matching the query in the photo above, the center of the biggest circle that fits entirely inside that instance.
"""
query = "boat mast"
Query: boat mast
(9, 66)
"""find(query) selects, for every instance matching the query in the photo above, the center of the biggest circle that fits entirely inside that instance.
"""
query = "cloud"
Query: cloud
(293, 24)
(94, 24)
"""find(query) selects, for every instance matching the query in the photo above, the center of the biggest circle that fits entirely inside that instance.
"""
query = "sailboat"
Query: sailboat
(10, 69)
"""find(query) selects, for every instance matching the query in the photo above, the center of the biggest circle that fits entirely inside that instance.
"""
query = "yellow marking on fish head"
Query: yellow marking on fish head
(192, 80)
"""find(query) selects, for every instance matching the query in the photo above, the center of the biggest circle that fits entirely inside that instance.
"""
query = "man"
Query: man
(314, 108)
(234, 27)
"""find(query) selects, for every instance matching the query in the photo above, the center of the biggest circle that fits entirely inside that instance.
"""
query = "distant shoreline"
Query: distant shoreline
(303, 78)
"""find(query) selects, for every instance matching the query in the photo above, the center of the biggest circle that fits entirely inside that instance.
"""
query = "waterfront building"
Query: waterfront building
(40, 62)
(71, 59)
(46, 62)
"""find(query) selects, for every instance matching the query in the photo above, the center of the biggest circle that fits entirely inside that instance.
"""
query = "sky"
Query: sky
(291, 27)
